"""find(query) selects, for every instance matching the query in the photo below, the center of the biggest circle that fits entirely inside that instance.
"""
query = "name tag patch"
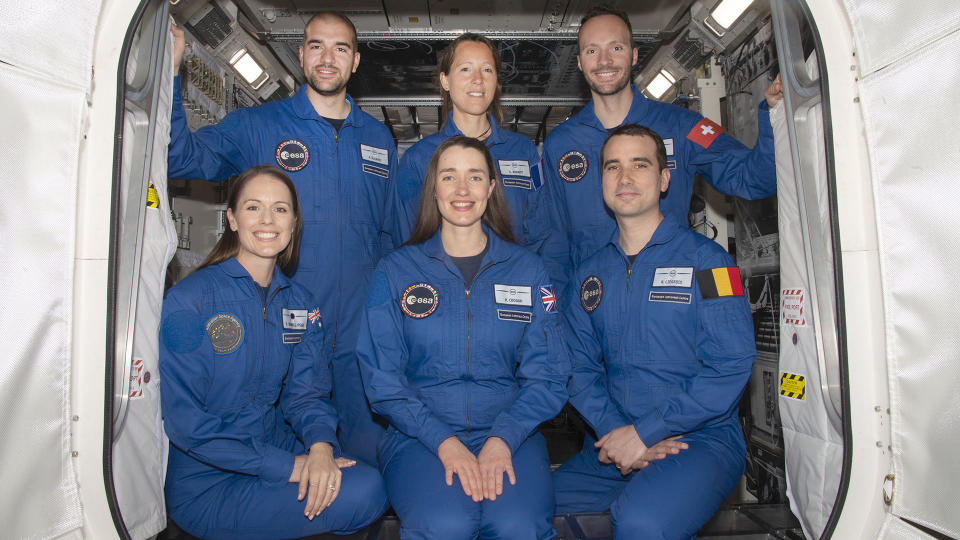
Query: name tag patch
(291, 339)
(679, 276)
(514, 168)
(294, 319)
(668, 143)
(511, 315)
(373, 169)
(671, 297)
(524, 183)
(374, 154)
(513, 295)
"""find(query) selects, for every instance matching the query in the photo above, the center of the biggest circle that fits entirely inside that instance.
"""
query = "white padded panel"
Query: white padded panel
(886, 31)
(51, 38)
(39, 159)
(913, 133)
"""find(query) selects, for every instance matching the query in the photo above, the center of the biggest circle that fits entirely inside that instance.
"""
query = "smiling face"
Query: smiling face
(327, 55)
(263, 219)
(463, 186)
(632, 180)
(606, 54)
(472, 78)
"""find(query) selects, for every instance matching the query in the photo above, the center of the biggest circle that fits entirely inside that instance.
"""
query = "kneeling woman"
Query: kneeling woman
(461, 351)
(246, 386)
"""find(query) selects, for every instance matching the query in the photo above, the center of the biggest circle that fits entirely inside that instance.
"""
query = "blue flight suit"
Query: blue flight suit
(345, 186)
(521, 175)
(246, 383)
(653, 347)
(441, 360)
(571, 155)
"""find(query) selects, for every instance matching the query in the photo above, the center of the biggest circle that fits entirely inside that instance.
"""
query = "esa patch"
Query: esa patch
(294, 319)
(419, 300)
(516, 316)
(591, 291)
(705, 132)
(573, 166)
(548, 299)
(292, 155)
(225, 332)
(719, 282)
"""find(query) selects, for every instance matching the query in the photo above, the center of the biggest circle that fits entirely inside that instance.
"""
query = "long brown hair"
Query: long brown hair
(445, 64)
(229, 244)
(496, 216)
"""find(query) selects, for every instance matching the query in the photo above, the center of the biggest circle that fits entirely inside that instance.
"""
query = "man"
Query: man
(695, 145)
(343, 162)
(664, 309)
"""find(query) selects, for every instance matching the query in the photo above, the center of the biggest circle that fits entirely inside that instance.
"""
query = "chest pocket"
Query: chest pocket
(317, 181)
(369, 182)
(433, 341)
(500, 316)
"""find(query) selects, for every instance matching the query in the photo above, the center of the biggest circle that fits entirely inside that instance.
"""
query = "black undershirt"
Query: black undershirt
(337, 123)
(632, 258)
(469, 266)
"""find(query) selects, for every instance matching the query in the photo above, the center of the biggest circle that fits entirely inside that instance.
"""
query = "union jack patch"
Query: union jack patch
(314, 317)
(548, 298)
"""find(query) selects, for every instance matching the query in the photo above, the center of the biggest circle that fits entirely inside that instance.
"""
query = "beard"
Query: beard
(326, 87)
(611, 88)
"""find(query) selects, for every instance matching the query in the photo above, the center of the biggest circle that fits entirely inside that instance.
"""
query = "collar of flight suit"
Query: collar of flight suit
(497, 249)
(588, 117)
(234, 269)
(304, 109)
(450, 129)
(666, 231)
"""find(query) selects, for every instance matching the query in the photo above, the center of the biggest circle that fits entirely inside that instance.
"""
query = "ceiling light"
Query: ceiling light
(660, 84)
(248, 68)
(728, 11)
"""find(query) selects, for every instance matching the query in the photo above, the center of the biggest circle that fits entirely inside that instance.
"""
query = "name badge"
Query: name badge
(291, 339)
(294, 319)
(374, 154)
(668, 143)
(514, 168)
(679, 276)
(516, 316)
(512, 295)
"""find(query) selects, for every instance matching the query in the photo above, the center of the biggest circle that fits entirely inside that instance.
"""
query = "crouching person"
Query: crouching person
(246, 387)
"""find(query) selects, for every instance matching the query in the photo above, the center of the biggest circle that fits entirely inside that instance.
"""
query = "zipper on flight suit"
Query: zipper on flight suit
(466, 395)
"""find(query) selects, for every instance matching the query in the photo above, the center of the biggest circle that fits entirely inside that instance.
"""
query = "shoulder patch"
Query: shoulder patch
(292, 155)
(548, 299)
(419, 300)
(225, 332)
(378, 291)
(705, 132)
(591, 291)
(182, 331)
(719, 282)
(573, 166)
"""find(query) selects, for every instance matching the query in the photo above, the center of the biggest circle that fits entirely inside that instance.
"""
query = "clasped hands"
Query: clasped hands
(624, 448)
(481, 476)
(319, 476)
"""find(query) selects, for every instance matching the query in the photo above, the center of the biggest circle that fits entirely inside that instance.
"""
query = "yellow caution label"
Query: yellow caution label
(792, 385)
(153, 201)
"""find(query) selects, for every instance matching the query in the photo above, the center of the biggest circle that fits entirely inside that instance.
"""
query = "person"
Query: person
(343, 161)
(468, 71)
(246, 383)
(664, 309)
(461, 350)
(695, 145)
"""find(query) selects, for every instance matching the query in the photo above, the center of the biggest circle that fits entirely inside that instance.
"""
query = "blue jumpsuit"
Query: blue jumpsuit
(440, 360)
(657, 346)
(345, 185)
(695, 145)
(521, 175)
(246, 380)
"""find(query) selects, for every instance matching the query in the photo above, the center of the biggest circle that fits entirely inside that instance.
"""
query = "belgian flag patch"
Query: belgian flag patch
(719, 282)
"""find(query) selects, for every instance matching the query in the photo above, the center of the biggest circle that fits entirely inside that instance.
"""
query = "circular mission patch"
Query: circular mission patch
(590, 293)
(573, 166)
(292, 155)
(226, 333)
(419, 300)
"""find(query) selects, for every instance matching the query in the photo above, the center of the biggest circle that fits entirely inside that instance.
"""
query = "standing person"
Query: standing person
(343, 161)
(663, 307)
(461, 350)
(695, 145)
(468, 75)
(246, 383)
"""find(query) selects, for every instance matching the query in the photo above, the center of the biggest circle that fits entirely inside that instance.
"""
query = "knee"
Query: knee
(363, 492)
(448, 525)
(534, 528)
(646, 522)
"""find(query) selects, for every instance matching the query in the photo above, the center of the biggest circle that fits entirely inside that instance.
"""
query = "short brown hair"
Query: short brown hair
(635, 130)
(445, 64)
(496, 216)
(229, 244)
(605, 9)
(335, 15)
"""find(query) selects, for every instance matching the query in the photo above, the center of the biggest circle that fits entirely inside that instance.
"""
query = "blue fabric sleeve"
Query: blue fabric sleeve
(556, 249)
(409, 189)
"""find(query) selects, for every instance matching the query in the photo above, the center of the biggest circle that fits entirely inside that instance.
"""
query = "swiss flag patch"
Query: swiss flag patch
(705, 132)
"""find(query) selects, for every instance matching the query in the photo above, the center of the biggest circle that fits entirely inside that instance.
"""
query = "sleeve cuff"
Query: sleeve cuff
(321, 433)
(433, 440)
(651, 428)
(277, 465)
(510, 432)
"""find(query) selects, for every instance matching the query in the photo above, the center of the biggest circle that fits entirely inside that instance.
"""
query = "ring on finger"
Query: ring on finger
(332, 487)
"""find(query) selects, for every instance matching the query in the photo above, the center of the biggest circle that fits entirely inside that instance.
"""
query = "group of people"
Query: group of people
(371, 333)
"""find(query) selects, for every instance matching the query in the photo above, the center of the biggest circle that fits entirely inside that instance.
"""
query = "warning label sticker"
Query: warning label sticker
(792, 385)
(791, 307)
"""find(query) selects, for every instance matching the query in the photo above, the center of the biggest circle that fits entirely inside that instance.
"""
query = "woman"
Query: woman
(460, 350)
(246, 379)
(467, 75)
